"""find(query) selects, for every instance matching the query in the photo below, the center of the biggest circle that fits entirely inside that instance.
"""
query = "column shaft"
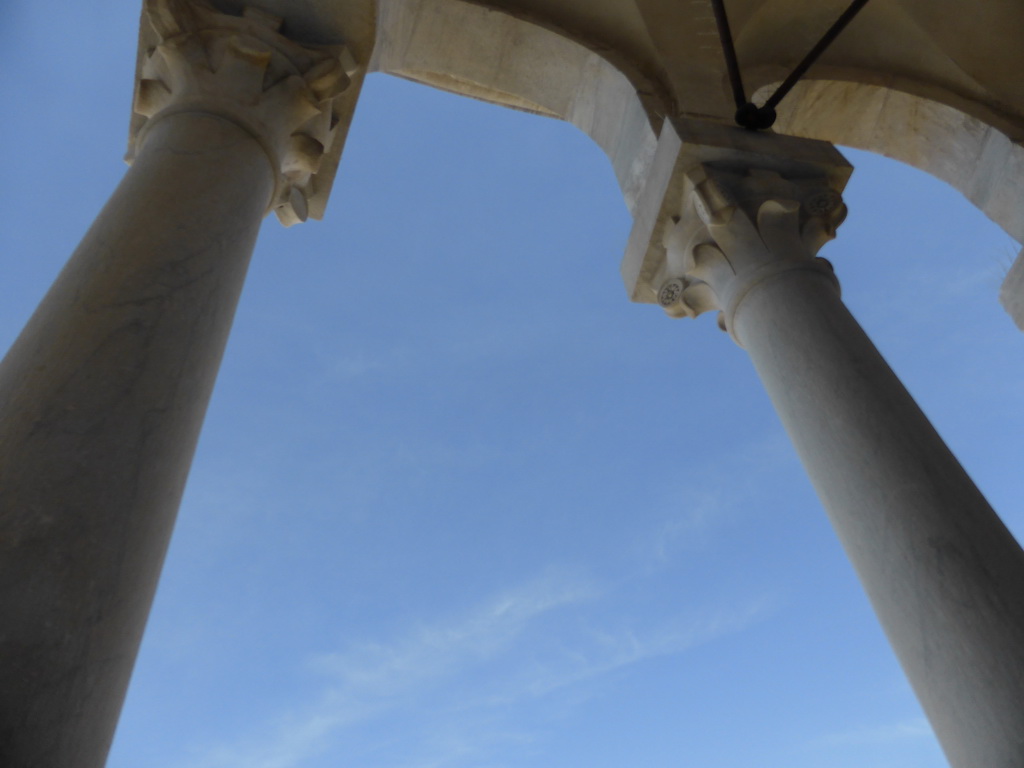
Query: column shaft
(101, 401)
(944, 575)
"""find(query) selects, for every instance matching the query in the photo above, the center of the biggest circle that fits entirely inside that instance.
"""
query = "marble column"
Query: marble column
(103, 394)
(942, 572)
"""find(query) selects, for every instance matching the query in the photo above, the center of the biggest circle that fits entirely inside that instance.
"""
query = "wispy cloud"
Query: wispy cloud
(287, 746)
(712, 495)
(381, 671)
(916, 728)
(368, 679)
(468, 677)
(689, 524)
(481, 729)
(611, 651)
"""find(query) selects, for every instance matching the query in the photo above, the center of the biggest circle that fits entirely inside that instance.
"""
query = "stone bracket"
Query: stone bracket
(703, 174)
(296, 100)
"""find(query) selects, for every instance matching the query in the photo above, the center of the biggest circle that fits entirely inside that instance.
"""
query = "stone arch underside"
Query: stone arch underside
(473, 51)
(977, 159)
(469, 49)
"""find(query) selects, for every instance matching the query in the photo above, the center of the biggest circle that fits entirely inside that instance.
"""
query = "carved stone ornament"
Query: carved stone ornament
(243, 69)
(738, 228)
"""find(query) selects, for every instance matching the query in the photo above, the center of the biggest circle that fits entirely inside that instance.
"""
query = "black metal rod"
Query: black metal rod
(815, 52)
(733, 67)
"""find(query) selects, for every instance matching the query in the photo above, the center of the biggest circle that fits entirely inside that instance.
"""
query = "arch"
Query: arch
(476, 51)
(977, 159)
(468, 49)
(485, 54)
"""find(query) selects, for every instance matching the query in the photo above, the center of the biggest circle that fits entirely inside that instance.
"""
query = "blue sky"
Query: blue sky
(458, 502)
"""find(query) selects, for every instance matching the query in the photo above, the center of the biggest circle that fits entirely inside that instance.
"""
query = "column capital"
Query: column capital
(740, 224)
(196, 59)
(724, 207)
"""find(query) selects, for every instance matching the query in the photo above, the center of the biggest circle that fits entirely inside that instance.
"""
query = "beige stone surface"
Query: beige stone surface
(461, 47)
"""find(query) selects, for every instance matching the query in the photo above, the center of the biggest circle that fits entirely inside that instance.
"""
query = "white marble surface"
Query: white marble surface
(943, 574)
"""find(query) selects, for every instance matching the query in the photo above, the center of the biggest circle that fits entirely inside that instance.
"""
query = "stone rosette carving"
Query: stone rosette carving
(243, 69)
(739, 227)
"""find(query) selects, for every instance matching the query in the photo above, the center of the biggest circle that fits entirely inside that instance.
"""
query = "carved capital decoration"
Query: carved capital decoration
(724, 208)
(738, 227)
(242, 69)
